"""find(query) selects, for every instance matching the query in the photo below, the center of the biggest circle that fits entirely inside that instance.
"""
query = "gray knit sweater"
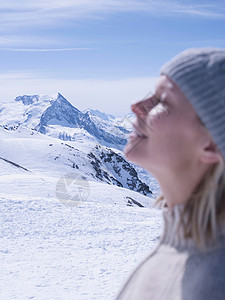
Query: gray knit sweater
(176, 269)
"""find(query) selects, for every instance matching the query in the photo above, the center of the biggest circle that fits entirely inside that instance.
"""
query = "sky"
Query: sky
(101, 54)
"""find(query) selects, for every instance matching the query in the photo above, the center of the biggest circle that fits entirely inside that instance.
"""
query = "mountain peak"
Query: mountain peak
(60, 99)
(60, 96)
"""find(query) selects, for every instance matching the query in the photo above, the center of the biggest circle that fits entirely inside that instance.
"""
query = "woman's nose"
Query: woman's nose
(140, 108)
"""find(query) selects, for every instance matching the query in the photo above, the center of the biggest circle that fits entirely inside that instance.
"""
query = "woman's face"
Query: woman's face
(167, 131)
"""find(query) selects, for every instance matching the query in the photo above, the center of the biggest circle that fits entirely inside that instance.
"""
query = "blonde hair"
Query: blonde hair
(204, 213)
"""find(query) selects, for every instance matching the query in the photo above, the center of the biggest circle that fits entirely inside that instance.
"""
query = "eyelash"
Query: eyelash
(158, 99)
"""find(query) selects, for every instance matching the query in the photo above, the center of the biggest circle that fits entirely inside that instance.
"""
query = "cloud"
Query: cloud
(16, 14)
(20, 40)
(112, 96)
(23, 23)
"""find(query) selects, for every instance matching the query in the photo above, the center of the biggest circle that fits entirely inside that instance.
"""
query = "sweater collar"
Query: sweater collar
(173, 231)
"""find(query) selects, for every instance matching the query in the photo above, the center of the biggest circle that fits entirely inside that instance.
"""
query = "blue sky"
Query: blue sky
(103, 54)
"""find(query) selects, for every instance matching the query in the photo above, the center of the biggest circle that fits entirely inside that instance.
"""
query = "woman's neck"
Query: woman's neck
(177, 187)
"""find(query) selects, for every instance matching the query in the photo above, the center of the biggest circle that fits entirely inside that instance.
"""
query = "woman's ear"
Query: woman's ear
(210, 154)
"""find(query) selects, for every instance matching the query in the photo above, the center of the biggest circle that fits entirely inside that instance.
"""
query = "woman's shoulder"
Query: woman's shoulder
(204, 275)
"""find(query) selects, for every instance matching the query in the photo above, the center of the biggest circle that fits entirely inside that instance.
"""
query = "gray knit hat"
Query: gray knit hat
(200, 74)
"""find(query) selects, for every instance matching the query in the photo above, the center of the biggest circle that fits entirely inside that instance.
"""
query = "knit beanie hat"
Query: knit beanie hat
(200, 74)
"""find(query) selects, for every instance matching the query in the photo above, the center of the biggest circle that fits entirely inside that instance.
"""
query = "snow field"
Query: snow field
(52, 251)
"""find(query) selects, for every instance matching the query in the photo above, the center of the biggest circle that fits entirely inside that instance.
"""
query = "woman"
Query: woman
(179, 136)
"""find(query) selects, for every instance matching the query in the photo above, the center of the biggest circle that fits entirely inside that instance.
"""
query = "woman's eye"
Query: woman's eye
(161, 98)
(151, 102)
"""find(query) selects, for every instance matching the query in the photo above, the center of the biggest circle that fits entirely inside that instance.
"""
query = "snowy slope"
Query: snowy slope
(42, 154)
(56, 249)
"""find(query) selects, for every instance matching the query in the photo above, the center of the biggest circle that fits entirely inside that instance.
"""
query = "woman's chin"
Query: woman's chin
(127, 150)
(136, 153)
(130, 152)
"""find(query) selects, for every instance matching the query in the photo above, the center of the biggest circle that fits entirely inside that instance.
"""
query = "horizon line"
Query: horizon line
(42, 50)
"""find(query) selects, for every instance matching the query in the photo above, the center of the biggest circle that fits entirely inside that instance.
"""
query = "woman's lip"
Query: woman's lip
(134, 137)
(138, 131)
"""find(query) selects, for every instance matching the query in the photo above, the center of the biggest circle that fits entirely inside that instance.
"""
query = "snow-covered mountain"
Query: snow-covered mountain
(43, 113)
(50, 131)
